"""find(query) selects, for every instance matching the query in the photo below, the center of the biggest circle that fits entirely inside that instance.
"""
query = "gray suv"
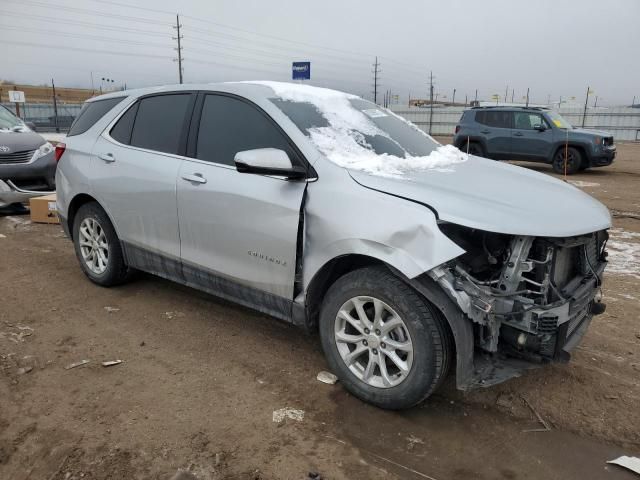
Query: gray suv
(533, 134)
(324, 210)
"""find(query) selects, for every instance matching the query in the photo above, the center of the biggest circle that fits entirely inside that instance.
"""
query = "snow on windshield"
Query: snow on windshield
(346, 139)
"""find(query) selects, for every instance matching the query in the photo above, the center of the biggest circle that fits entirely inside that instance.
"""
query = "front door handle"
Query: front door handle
(518, 134)
(107, 157)
(485, 131)
(194, 178)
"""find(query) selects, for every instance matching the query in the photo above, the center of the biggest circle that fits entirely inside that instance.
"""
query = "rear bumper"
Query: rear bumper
(40, 173)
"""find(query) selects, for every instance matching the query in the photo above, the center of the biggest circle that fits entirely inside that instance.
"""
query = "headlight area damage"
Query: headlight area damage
(530, 299)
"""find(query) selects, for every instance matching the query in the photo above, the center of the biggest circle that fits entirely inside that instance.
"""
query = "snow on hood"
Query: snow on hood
(343, 141)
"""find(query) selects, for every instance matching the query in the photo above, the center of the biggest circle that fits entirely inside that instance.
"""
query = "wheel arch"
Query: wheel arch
(458, 327)
(578, 146)
(78, 201)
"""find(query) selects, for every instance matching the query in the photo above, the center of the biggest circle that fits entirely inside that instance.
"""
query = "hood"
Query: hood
(19, 141)
(587, 131)
(497, 197)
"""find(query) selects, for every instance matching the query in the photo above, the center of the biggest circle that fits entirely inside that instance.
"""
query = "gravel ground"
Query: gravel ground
(200, 379)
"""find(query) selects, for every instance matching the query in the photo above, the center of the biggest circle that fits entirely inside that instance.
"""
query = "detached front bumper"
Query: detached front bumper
(10, 193)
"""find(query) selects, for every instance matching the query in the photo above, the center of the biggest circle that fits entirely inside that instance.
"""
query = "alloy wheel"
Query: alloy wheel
(373, 341)
(93, 245)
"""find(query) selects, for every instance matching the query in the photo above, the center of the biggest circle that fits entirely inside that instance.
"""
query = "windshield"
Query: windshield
(8, 120)
(358, 134)
(558, 120)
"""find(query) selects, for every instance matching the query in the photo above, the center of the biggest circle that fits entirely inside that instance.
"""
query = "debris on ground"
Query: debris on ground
(184, 475)
(505, 400)
(76, 364)
(23, 332)
(630, 463)
(111, 309)
(2, 236)
(313, 476)
(23, 370)
(413, 441)
(111, 363)
(327, 377)
(172, 315)
(540, 419)
(292, 413)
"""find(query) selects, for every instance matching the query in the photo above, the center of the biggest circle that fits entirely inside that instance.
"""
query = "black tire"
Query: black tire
(474, 148)
(116, 271)
(574, 160)
(432, 347)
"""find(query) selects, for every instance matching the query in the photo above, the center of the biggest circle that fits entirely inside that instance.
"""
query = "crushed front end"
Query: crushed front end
(530, 299)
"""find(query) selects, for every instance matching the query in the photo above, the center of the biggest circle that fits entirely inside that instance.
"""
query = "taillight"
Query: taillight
(60, 148)
(457, 128)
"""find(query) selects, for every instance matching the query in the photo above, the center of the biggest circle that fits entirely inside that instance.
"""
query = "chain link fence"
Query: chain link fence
(43, 115)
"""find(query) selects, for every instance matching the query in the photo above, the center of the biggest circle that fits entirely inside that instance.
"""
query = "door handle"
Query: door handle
(194, 178)
(107, 157)
(485, 131)
(518, 134)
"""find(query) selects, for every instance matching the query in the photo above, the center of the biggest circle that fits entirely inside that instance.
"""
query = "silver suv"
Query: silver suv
(324, 210)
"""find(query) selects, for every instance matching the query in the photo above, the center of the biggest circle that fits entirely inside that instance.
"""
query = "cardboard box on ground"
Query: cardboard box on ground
(44, 209)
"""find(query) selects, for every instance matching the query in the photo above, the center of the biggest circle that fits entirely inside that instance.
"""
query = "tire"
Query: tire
(574, 161)
(474, 148)
(107, 266)
(422, 330)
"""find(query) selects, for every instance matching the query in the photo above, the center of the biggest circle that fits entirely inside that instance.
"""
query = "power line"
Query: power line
(82, 36)
(55, 21)
(89, 50)
(84, 11)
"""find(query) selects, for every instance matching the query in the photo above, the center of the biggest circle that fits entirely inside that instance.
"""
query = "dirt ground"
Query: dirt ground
(200, 380)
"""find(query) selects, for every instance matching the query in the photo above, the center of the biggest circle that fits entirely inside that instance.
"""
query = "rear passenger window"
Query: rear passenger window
(121, 131)
(229, 125)
(497, 119)
(92, 112)
(159, 122)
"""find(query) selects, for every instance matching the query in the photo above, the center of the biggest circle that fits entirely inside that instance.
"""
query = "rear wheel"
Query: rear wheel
(383, 340)
(97, 246)
(571, 156)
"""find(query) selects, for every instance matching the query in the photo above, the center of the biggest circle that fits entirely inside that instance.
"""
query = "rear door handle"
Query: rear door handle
(194, 178)
(485, 131)
(107, 157)
(518, 134)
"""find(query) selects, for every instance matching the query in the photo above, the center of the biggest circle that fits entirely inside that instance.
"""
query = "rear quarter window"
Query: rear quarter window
(92, 112)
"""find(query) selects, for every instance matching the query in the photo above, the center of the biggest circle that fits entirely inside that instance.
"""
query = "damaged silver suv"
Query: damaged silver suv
(324, 210)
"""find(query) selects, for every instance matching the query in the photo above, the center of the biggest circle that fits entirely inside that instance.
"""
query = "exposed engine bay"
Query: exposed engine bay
(529, 297)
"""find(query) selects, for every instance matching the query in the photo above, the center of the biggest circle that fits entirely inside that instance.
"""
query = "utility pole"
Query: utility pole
(179, 49)
(453, 98)
(513, 92)
(506, 93)
(595, 103)
(584, 114)
(633, 102)
(55, 106)
(476, 99)
(465, 100)
(17, 104)
(527, 105)
(376, 72)
(430, 101)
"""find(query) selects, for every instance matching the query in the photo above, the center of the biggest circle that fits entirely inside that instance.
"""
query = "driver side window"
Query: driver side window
(229, 125)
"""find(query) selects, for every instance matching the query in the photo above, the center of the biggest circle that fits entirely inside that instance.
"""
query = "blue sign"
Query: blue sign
(301, 70)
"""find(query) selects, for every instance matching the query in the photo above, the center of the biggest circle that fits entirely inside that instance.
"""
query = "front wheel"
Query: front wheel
(474, 148)
(569, 156)
(385, 342)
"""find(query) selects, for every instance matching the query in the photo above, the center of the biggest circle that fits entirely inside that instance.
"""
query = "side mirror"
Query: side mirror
(268, 161)
(31, 125)
(540, 127)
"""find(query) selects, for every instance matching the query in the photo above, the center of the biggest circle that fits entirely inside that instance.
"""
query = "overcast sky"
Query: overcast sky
(554, 47)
